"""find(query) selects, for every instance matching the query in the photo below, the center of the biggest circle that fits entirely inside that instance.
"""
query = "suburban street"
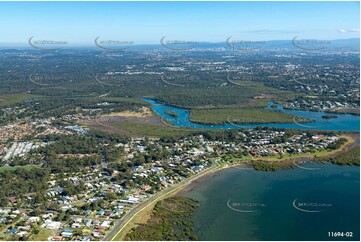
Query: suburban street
(138, 208)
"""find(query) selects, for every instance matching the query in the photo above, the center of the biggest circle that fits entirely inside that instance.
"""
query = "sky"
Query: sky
(148, 22)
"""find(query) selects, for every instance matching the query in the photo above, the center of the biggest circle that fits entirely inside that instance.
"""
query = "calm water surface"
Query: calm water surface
(244, 204)
(343, 122)
(294, 204)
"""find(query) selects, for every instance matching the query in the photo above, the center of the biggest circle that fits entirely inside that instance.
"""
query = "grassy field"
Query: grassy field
(239, 116)
(152, 129)
(12, 168)
(9, 99)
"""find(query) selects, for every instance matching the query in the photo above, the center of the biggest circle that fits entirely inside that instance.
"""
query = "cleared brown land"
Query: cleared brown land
(106, 122)
(93, 124)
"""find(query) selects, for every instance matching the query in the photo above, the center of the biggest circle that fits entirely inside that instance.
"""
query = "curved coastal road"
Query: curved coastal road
(137, 209)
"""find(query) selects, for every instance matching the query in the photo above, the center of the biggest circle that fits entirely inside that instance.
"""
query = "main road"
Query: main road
(140, 207)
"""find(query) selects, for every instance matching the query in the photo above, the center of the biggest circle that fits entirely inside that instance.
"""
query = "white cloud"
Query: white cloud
(349, 30)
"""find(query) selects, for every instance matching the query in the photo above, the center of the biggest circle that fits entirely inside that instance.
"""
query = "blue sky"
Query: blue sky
(147, 22)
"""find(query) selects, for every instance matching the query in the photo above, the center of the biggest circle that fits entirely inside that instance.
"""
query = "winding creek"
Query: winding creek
(342, 122)
(299, 204)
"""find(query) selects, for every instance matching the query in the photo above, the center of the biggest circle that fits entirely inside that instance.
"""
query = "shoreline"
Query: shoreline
(352, 140)
(325, 111)
(189, 109)
(149, 205)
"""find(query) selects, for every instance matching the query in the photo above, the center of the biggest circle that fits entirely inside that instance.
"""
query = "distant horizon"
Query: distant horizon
(146, 22)
(25, 44)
